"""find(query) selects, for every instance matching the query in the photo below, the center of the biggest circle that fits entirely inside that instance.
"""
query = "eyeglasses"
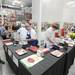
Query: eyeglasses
(27, 26)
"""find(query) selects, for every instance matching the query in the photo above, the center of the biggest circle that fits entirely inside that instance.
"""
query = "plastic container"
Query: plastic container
(40, 53)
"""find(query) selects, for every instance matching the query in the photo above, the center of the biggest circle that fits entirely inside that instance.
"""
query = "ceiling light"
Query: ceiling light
(16, 2)
(71, 3)
(21, 5)
(46, 1)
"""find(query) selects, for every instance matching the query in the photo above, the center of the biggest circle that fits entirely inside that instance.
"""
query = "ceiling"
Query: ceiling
(17, 3)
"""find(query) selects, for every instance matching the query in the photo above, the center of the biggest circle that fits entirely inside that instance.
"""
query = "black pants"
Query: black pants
(1, 60)
(33, 42)
(3, 37)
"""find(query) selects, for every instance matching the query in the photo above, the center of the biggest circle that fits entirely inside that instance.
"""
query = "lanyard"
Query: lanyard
(28, 35)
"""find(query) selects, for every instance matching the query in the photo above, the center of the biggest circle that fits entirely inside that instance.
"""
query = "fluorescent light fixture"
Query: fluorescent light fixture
(71, 3)
(15, 2)
(21, 5)
(45, 1)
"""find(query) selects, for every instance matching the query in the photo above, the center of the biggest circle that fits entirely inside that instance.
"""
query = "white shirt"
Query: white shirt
(22, 32)
(32, 33)
(16, 36)
(50, 33)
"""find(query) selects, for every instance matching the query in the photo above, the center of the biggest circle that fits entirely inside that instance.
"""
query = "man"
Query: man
(31, 35)
(18, 25)
(50, 35)
(1, 61)
(22, 33)
(2, 29)
(73, 28)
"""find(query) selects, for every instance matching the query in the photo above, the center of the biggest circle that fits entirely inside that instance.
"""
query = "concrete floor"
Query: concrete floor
(72, 69)
(6, 70)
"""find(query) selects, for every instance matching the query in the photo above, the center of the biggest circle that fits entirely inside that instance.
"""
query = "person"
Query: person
(22, 33)
(14, 36)
(73, 29)
(1, 61)
(31, 35)
(14, 26)
(18, 25)
(50, 35)
(2, 30)
(7, 32)
(4, 33)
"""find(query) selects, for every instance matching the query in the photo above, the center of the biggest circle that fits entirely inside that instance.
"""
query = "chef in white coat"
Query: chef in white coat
(31, 34)
(22, 34)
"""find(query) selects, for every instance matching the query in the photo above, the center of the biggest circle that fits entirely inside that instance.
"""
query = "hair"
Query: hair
(0, 16)
(55, 25)
(6, 27)
(14, 28)
(27, 23)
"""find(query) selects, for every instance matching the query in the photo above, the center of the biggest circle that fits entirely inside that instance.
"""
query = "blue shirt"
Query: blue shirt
(2, 30)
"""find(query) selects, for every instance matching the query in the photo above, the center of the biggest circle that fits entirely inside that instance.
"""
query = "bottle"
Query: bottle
(62, 32)
(40, 53)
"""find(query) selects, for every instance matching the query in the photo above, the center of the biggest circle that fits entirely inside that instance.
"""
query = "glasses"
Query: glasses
(27, 26)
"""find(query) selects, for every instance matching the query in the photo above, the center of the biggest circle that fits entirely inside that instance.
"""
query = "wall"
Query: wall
(46, 11)
(52, 10)
(69, 14)
(35, 10)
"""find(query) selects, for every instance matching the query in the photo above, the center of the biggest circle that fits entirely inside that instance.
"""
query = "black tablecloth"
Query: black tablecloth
(12, 64)
(0, 69)
(70, 54)
(13, 48)
(49, 66)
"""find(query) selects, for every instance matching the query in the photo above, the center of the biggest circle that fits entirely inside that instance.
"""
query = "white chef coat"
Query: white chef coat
(32, 33)
(22, 32)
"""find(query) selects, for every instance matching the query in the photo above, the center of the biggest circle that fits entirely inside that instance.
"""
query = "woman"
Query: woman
(50, 35)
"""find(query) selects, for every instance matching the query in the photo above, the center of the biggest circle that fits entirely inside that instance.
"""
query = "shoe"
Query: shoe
(2, 62)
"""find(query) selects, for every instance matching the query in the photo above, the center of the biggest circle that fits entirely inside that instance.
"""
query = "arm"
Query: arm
(18, 31)
(33, 35)
(48, 36)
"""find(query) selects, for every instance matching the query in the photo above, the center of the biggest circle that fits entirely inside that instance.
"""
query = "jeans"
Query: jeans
(33, 42)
